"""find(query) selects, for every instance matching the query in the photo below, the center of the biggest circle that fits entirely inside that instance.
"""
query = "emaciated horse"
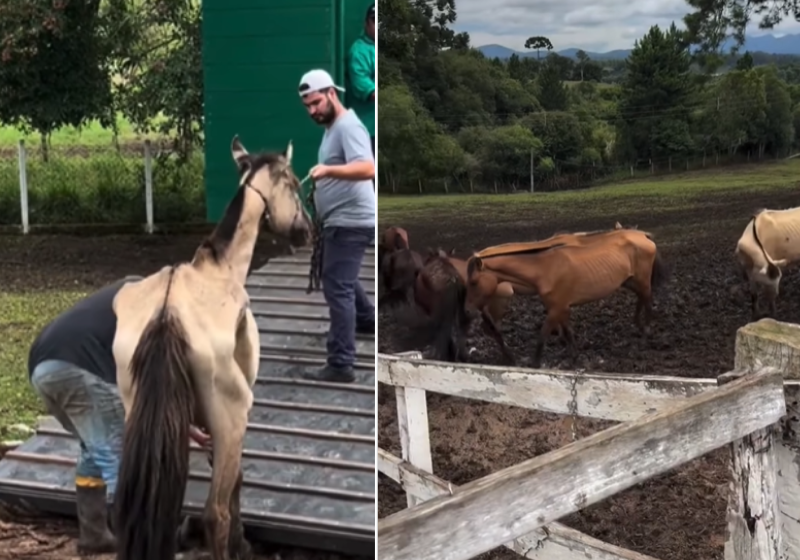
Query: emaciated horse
(393, 239)
(494, 307)
(566, 275)
(770, 241)
(187, 351)
(440, 292)
(399, 272)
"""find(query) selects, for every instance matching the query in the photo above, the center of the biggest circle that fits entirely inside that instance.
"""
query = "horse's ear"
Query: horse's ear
(478, 263)
(618, 226)
(288, 153)
(240, 155)
(452, 251)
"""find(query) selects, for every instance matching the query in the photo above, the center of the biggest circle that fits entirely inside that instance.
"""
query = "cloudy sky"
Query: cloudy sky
(599, 26)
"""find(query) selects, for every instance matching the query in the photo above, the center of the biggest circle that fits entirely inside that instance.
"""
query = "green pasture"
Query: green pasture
(21, 317)
(91, 135)
(671, 192)
(101, 188)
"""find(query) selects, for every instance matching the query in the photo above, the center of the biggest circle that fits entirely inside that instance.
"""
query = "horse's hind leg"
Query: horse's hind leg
(550, 322)
(754, 287)
(238, 547)
(226, 400)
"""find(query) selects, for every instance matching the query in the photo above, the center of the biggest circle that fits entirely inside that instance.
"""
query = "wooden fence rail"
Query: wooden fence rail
(668, 421)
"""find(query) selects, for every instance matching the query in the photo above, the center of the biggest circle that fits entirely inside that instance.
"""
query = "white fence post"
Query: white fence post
(148, 185)
(23, 185)
(412, 424)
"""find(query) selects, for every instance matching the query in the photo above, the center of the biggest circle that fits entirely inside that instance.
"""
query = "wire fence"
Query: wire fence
(569, 175)
(133, 183)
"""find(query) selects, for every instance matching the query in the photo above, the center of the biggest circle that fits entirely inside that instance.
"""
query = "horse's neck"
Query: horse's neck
(517, 272)
(239, 253)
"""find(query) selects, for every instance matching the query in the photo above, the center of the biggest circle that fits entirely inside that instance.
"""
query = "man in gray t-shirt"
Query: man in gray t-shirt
(345, 205)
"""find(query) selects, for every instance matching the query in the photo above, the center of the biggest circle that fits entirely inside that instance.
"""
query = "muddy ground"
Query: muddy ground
(677, 516)
(58, 262)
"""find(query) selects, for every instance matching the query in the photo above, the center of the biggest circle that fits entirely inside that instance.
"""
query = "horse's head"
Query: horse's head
(438, 253)
(270, 174)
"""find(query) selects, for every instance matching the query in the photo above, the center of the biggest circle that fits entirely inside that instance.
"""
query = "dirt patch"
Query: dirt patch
(41, 263)
(677, 516)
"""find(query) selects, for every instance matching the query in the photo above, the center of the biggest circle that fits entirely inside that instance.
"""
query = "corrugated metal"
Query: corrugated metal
(309, 459)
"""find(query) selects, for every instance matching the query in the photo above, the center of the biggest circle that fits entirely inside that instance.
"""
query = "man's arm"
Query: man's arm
(362, 84)
(358, 154)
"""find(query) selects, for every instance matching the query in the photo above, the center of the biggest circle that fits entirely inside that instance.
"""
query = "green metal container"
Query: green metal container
(254, 54)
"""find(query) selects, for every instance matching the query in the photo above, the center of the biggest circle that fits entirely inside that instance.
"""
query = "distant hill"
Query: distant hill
(788, 44)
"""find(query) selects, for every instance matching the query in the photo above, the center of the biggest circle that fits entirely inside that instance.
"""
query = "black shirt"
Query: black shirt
(83, 335)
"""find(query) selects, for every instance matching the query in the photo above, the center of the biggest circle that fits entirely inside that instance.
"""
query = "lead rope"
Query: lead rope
(317, 253)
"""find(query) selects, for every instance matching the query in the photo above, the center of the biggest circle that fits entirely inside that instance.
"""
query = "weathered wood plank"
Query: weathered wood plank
(753, 516)
(606, 396)
(512, 502)
(412, 423)
(552, 542)
(770, 343)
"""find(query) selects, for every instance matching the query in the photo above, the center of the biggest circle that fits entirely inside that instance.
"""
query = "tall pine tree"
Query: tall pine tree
(552, 90)
(653, 108)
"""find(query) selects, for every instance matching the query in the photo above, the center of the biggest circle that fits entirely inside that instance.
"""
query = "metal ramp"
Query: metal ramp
(309, 459)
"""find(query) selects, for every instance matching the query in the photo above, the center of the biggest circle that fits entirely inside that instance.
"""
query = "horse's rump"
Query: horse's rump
(155, 457)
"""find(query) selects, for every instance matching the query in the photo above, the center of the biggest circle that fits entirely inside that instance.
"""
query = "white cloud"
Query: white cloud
(599, 26)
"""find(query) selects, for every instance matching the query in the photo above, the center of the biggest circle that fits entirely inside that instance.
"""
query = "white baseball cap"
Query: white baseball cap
(316, 80)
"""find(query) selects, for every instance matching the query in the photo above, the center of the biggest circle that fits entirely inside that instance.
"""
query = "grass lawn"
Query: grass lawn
(673, 191)
(21, 317)
(91, 135)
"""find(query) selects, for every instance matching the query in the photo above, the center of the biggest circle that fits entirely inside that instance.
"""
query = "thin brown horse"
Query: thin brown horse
(564, 276)
(188, 344)
(440, 292)
(431, 284)
(393, 239)
(399, 272)
(494, 308)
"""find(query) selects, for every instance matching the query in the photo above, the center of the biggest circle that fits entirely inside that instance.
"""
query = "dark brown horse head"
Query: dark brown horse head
(394, 239)
(438, 253)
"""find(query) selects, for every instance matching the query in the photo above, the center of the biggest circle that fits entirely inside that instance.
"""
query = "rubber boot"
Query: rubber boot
(95, 536)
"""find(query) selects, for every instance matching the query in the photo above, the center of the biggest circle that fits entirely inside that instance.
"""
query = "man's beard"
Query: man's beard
(327, 117)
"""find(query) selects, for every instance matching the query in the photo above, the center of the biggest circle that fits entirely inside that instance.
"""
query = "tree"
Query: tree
(712, 21)
(538, 42)
(54, 68)
(745, 62)
(583, 58)
(654, 120)
(552, 91)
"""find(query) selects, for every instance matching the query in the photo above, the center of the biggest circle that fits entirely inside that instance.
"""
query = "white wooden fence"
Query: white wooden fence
(22, 159)
(665, 422)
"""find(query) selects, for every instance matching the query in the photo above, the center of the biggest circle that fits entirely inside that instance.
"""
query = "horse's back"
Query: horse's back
(209, 308)
(779, 233)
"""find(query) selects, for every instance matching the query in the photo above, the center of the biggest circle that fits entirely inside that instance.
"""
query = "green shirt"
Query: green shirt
(361, 81)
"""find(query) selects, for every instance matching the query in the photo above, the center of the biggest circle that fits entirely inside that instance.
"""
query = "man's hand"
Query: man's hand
(320, 172)
(202, 438)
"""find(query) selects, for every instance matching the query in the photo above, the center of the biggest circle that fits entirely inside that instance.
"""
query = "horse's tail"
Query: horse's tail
(155, 455)
(659, 274)
(773, 271)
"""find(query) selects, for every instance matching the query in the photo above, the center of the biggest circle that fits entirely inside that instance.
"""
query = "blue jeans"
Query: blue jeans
(344, 250)
(92, 411)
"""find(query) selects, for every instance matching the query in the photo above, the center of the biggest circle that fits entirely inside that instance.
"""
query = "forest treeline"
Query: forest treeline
(450, 118)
